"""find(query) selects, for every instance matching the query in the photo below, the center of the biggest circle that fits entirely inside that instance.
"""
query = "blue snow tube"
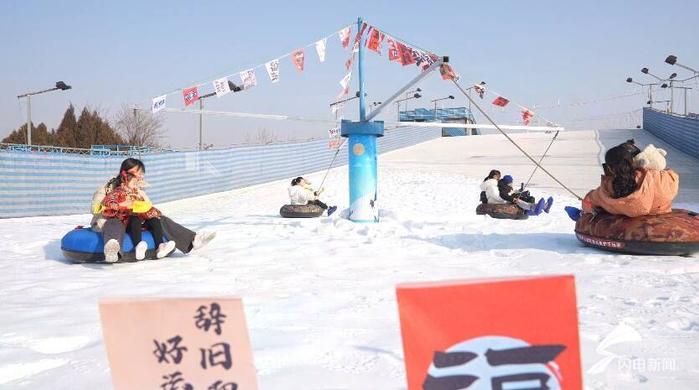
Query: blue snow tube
(84, 245)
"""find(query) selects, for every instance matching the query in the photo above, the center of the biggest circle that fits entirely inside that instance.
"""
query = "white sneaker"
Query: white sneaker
(165, 248)
(141, 249)
(202, 238)
(111, 251)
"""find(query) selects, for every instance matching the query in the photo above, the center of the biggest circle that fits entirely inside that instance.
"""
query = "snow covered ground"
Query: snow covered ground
(319, 294)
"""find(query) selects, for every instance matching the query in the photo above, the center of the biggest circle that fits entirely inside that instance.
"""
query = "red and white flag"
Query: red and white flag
(297, 58)
(190, 95)
(448, 73)
(527, 116)
(500, 101)
(320, 49)
(374, 40)
(248, 78)
(273, 70)
(406, 54)
(393, 53)
(349, 62)
(344, 83)
(423, 60)
(358, 37)
(480, 90)
(344, 35)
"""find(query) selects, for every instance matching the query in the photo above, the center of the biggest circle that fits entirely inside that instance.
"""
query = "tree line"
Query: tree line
(129, 127)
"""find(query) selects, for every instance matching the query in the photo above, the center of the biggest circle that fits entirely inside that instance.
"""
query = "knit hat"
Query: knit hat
(507, 179)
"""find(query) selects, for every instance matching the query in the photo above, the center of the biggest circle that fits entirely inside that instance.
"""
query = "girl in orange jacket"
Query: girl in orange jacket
(630, 191)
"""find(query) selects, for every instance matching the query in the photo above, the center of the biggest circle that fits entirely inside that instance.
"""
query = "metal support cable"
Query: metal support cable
(512, 141)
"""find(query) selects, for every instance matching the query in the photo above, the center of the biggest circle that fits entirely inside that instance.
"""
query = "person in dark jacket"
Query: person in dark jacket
(522, 199)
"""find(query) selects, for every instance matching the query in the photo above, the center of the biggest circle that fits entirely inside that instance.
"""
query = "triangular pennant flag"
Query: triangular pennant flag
(500, 101)
(297, 59)
(221, 86)
(190, 95)
(448, 73)
(344, 35)
(320, 49)
(273, 70)
(248, 78)
(344, 83)
(349, 62)
(406, 54)
(393, 53)
(480, 89)
(158, 103)
(373, 43)
(422, 59)
(527, 116)
(358, 37)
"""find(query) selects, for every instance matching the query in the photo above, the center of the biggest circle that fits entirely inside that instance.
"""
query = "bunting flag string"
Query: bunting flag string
(526, 113)
(190, 94)
(398, 51)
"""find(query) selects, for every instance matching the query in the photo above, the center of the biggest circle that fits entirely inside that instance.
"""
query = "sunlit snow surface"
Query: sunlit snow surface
(319, 294)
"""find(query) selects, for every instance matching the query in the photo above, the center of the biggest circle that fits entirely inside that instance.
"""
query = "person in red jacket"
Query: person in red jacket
(130, 204)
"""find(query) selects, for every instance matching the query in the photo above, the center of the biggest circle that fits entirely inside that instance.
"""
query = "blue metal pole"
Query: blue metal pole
(360, 66)
(363, 180)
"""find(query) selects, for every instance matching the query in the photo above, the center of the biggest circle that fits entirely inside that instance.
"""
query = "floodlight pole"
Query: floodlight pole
(59, 85)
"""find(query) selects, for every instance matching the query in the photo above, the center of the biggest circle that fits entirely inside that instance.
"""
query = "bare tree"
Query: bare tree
(138, 127)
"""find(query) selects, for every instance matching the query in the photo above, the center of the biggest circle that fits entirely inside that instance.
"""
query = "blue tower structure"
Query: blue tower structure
(363, 169)
(362, 136)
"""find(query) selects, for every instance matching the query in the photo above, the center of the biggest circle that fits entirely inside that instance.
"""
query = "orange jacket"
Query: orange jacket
(656, 190)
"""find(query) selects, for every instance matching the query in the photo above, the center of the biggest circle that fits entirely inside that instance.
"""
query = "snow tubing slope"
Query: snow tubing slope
(84, 245)
(672, 234)
(501, 211)
(300, 211)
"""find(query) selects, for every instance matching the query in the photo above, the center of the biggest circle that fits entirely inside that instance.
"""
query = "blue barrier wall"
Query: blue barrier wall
(679, 131)
(35, 183)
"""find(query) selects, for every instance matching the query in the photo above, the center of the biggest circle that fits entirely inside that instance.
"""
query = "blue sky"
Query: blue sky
(126, 52)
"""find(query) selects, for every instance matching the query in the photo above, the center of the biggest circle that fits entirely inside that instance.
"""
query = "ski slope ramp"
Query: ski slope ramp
(320, 294)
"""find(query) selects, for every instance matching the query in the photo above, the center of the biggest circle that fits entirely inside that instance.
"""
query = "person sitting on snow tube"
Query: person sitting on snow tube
(629, 190)
(522, 198)
(130, 204)
(499, 191)
(301, 193)
(113, 230)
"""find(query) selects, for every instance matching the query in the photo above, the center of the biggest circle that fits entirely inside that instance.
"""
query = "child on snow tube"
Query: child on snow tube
(632, 186)
(301, 193)
(130, 204)
(112, 230)
(500, 191)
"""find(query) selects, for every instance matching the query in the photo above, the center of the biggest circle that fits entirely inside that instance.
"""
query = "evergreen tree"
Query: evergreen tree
(40, 135)
(89, 129)
(66, 132)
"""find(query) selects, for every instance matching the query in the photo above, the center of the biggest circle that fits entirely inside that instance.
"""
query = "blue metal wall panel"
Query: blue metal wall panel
(34, 184)
(679, 131)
